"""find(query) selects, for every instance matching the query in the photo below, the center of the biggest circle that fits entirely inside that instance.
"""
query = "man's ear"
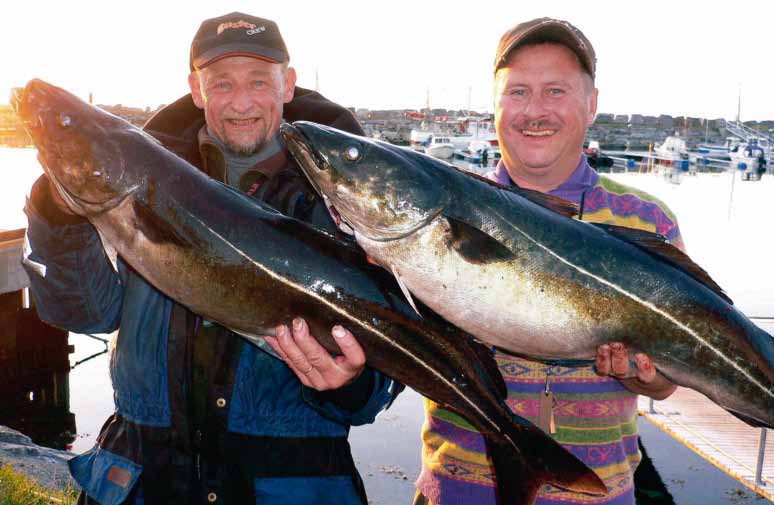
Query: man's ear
(196, 90)
(290, 84)
(592, 107)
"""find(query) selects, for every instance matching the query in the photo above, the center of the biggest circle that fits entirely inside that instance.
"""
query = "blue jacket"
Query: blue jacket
(265, 437)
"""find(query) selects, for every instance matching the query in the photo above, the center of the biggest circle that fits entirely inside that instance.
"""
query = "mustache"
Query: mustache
(536, 124)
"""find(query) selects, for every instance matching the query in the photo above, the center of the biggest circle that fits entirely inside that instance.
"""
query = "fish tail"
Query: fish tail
(526, 459)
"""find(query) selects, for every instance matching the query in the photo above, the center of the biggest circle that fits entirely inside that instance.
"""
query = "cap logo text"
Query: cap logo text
(235, 25)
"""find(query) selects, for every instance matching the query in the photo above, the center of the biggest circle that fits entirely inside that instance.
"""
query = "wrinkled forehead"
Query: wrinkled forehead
(242, 67)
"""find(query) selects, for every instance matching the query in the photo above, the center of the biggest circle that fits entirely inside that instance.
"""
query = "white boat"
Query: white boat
(672, 149)
(750, 159)
(440, 147)
(714, 151)
(473, 153)
(418, 139)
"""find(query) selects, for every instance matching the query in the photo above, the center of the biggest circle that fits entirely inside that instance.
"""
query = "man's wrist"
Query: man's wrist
(355, 395)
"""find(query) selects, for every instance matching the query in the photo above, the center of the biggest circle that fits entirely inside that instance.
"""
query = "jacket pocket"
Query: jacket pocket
(104, 476)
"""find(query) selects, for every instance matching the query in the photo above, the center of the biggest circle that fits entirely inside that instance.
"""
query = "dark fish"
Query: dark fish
(513, 269)
(246, 266)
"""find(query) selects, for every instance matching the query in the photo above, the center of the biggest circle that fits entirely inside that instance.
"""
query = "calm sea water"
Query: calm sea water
(730, 235)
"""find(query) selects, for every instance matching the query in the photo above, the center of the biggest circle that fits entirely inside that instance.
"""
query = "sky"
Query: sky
(679, 57)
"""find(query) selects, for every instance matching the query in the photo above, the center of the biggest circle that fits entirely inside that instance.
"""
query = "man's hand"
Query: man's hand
(312, 363)
(613, 360)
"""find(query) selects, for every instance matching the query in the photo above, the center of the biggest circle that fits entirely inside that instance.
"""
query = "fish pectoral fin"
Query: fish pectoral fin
(657, 245)
(474, 245)
(260, 342)
(157, 229)
(405, 289)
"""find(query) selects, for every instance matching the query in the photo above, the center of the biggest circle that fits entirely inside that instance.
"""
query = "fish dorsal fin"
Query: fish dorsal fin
(550, 202)
(554, 203)
(474, 245)
(657, 245)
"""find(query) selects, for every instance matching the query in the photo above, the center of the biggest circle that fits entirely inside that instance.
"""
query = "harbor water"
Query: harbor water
(731, 235)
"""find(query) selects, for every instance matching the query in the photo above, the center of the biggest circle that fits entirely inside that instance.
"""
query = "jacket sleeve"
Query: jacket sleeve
(357, 403)
(72, 281)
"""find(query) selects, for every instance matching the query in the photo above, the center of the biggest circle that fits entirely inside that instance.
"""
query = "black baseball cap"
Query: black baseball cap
(547, 30)
(237, 34)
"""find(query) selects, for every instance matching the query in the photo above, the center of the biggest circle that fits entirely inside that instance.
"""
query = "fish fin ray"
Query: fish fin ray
(657, 245)
(405, 289)
(474, 245)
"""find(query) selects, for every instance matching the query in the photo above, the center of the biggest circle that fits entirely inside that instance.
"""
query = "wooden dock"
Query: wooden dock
(715, 435)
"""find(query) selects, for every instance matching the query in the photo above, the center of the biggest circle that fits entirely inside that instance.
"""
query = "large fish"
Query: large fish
(513, 268)
(249, 268)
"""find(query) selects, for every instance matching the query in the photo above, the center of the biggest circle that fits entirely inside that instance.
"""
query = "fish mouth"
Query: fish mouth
(17, 96)
(20, 104)
(312, 161)
(303, 150)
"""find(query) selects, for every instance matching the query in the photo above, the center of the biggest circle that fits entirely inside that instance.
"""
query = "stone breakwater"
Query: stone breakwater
(46, 466)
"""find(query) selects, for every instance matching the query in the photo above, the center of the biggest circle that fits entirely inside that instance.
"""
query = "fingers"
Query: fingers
(646, 372)
(352, 357)
(613, 359)
(304, 355)
(311, 362)
(602, 363)
(619, 360)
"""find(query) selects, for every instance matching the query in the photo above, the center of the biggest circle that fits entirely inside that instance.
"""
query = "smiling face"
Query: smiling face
(242, 99)
(544, 101)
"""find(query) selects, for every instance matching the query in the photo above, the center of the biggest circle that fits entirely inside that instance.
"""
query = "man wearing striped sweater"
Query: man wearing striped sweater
(545, 100)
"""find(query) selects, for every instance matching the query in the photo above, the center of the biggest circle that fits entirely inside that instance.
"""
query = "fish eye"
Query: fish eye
(352, 153)
(65, 120)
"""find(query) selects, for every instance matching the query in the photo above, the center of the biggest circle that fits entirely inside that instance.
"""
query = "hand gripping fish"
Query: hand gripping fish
(512, 268)
(247, 267)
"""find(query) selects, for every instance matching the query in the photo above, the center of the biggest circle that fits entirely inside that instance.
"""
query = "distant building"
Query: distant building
(604, 118)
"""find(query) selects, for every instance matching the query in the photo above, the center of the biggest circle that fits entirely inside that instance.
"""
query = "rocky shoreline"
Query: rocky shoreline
(46, 466)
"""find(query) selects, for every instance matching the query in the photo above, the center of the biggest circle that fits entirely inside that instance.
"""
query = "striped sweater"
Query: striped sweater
(595, 417)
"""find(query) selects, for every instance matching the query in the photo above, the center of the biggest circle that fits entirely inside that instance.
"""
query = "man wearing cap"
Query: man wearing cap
(201, 415)
(545, 100)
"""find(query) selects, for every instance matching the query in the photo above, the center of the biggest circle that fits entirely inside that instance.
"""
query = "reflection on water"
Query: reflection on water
(34, 376)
